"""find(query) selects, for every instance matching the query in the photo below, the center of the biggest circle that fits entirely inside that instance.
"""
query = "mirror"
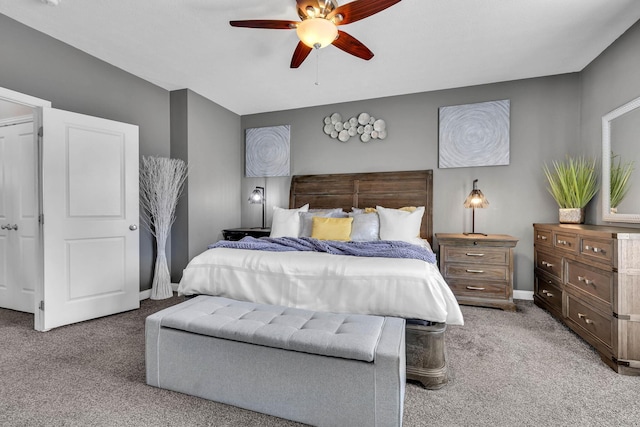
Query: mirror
(621, 135)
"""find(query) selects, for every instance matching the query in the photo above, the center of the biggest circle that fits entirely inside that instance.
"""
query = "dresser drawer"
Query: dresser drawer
(476, 272)
(467, 288)
(592, 322)
(591, 280)
(566, 241)
(548, 290)
(476, 255)
(548, 263)
(596, 249)
(543, 237)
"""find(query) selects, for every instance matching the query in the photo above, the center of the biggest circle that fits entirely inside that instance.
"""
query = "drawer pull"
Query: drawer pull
(474, 271)
(547, 293)
(475, 288)
(562, 242)
(594, 249)
(585, 280)
(542, 237)
(585, 318)
(472, 254)
(546, 264)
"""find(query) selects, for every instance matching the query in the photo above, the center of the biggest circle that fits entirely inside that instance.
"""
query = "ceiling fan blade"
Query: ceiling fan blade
(351, 45)
(300, 54)
(360, 9)
(271, 24)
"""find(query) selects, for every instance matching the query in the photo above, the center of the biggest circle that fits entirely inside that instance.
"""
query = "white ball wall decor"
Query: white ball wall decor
(364, 125)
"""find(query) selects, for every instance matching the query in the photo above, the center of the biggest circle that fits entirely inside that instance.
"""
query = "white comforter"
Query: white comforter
(323, 282)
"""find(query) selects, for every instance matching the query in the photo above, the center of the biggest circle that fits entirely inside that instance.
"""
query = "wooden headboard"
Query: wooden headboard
(363, 190)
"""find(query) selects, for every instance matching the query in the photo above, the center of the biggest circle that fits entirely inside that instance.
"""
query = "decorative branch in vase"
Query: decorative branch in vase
(161, 184)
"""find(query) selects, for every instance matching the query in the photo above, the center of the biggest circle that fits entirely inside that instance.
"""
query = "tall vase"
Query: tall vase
(161, 286)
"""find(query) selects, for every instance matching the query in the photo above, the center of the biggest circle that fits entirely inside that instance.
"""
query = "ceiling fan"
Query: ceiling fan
(319, 23)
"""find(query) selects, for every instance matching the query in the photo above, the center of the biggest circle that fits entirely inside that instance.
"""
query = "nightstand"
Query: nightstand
(239, 233)
(478, 268)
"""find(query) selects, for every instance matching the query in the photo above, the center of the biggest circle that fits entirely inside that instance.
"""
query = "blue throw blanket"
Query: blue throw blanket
(378, 248)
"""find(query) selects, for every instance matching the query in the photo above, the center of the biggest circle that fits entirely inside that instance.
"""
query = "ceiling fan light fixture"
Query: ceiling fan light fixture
(317, 32)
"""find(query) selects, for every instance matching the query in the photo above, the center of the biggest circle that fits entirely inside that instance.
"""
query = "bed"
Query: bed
(408, 288)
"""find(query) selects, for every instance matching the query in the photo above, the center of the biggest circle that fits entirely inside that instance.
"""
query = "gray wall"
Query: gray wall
(550, 117)
(544, 121)
(38, 65)
(208, 137)
(610, 81)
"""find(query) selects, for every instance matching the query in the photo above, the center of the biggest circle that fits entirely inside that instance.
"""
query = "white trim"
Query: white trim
(146, 294)
(606, 164)
(21, 98)
(525, 295)
(16, 120)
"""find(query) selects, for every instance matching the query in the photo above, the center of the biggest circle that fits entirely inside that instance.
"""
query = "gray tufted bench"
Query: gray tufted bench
(323, 369)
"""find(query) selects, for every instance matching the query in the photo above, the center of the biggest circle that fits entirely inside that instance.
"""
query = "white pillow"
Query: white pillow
(286, 222)
(400, 225)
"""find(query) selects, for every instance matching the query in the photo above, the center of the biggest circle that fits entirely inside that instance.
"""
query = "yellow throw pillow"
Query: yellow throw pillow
(408, 209)
(405, 209)
(331, 228)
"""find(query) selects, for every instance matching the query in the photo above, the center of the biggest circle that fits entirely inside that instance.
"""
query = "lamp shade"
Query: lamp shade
(317, 32)
(476, 199)
(257, 196)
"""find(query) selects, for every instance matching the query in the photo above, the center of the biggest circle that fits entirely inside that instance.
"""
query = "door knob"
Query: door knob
(14, 227)
(5, 227)
(133, 227)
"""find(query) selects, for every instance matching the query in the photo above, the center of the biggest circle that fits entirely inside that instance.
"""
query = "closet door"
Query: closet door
(90, 204)
(18, 217)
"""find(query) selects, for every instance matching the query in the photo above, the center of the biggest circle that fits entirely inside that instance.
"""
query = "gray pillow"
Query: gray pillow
(306, 221)
(365, 227)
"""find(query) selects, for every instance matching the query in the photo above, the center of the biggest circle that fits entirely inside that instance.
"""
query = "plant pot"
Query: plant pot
(571, 216)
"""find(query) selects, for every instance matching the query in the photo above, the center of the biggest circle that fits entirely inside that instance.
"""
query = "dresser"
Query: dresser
(479, 268)
(588, 276)
(239, 233)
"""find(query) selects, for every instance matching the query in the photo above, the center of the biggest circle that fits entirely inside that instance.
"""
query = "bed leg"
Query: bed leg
(426, 361)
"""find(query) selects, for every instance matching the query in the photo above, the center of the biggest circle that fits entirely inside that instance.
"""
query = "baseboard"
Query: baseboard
(146, 294)
(525, 295)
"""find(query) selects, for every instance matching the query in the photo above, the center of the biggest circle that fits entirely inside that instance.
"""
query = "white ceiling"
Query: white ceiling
(419, 45)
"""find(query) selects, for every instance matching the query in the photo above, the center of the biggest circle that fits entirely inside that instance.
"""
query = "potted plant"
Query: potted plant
(572, 183)
(620, 181)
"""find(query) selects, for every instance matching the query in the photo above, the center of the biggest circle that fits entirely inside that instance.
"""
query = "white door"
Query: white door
(18, 217)
(90, 230)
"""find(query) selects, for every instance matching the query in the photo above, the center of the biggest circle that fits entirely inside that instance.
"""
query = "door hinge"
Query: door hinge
(40, 132)
(41, 219)
(41, 306)
(620, 362)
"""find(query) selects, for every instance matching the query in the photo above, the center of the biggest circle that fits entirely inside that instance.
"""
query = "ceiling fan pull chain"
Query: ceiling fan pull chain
(317, 67)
